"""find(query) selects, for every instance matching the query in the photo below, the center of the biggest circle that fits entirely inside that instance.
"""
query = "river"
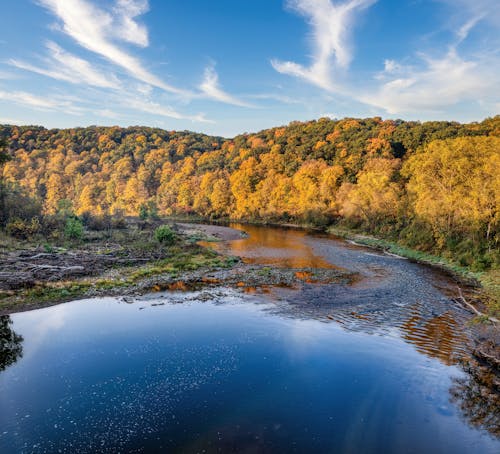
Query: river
(375, 366)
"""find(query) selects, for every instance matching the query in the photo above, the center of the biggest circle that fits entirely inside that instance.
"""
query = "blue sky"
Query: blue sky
(229, 66)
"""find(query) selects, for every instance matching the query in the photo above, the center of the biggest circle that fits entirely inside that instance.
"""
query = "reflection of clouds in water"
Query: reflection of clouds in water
(40, 324)
(304, 335)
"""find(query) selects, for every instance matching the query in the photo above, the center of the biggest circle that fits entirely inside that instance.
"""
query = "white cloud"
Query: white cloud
(467, 9)
(127, 28)
(463, 32)
(96, 30)
(64, 66)
(11, 121)
(107, 113)
(277, 97)
(154, 108)
(434, 86)
(42, 103)
(210, 87)
(331, 24)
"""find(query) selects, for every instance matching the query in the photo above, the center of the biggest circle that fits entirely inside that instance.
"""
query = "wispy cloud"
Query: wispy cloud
(154, 108)
(211, 88)
(433, 84)
(437, 85)
(277, 97)
(11, 121)
(127, 29)
(64, 66)
(331, 25)
(40, 102)
(471, 9)
(98, 30)
(6, 75)
(107, 113)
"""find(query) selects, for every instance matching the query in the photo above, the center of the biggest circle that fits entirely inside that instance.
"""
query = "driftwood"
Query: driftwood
(473, 308)
(24, 269)
(490, 359)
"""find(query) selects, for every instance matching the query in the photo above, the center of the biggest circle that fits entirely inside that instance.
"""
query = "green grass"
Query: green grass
(412, 254)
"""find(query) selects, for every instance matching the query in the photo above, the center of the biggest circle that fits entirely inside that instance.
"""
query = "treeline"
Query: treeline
(433, 186)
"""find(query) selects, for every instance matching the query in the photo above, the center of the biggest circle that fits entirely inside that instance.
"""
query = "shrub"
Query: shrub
(74, 229)
(23, 229)
(143, 212)
(165, 235)
(102, 222)
(148, 210)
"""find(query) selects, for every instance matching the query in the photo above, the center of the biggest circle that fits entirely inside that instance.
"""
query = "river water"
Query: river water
(375, 366)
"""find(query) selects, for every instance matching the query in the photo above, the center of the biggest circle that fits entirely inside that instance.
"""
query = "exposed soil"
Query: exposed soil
(22, 269)
(131, 263)
(210, 232)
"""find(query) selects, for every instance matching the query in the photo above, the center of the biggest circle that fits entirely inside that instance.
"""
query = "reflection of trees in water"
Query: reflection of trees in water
(439, 337)
(477, 393)
(11, 348)
(478, 396)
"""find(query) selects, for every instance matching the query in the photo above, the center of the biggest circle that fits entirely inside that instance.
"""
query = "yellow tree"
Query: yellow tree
(375, 196)
(55, 193)
(455, 185)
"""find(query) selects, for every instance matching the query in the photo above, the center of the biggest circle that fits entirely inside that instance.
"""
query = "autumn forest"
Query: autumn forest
(432, 186)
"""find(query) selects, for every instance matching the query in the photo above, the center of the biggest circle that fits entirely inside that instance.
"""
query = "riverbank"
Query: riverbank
(480, 290)
(129, 262)
(485, 303)
(36, 273)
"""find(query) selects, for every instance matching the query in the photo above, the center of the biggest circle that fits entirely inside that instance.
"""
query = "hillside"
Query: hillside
(432, 186)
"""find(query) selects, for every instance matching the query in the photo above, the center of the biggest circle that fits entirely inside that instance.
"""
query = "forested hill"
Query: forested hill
(434, 185)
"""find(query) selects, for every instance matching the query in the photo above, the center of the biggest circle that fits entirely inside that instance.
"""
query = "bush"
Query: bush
(102, 222)
(148, 210)
(74, 229)
(165, 235)
(143, 212)
(20, 228)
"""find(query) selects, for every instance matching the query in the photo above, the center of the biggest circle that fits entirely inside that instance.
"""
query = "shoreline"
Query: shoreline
(200, 268)
(489, 288)
(105, 285)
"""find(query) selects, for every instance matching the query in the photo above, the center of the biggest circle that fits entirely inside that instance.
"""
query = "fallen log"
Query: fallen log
(473, 308)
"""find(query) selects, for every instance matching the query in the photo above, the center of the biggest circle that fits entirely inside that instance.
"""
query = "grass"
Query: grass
(183, 256)
(412, 254)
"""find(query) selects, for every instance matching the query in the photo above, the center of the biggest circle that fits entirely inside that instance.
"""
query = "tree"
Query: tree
(455, 186)
(375, 196)
(4, 158)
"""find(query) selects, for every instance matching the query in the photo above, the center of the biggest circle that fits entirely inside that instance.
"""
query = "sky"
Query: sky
(225, 67)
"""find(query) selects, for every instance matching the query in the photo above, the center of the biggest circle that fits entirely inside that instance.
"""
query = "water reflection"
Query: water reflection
(477, 394)
(200, 376)
(440, 337)
(11, 348)
(285, 248)
(391, 297)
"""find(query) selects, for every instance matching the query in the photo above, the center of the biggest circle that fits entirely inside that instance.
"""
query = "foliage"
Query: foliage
(23, 229)
(164, 234)
(148, 210)
(4, 158)
(432, 185)
(74, 229)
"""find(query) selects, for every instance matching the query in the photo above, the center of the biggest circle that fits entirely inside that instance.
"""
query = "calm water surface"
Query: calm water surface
(369, 368)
